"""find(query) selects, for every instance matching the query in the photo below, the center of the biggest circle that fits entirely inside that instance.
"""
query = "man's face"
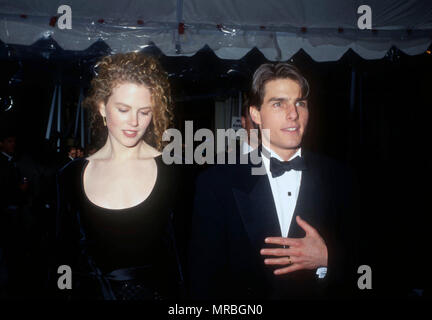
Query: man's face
(8, 145)
(73, 153)
(284, 114)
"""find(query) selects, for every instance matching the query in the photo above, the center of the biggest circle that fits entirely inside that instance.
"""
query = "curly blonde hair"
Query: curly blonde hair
(135, 68)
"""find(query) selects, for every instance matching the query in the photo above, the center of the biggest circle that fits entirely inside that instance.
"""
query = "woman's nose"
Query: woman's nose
(133, 119)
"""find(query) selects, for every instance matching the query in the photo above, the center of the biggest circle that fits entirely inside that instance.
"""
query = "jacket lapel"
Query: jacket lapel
(310, 199)
(255, 203)
(254, 200)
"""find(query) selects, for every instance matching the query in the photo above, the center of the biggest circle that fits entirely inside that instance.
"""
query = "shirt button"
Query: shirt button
(289, 193)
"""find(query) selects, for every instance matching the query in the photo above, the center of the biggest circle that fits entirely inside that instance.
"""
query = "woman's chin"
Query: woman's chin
(132, 144)
(127, 142)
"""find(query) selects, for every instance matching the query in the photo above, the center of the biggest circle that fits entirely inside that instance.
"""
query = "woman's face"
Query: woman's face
(128, 113)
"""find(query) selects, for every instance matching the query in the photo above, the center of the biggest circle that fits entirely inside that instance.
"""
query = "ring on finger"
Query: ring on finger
(289, 260)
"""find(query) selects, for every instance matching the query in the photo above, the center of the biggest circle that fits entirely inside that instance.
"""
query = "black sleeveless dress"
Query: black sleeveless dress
(119, 254)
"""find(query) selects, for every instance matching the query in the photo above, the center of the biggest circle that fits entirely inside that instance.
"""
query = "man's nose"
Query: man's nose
(291, 111)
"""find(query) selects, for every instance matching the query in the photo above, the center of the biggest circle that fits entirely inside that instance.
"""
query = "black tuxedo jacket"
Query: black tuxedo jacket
(235, 211)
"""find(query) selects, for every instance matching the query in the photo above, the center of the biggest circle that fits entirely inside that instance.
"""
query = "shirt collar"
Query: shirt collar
(275, 155)
(266, 160)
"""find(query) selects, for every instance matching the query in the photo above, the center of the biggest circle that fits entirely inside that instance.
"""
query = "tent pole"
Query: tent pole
(51, 114)
(351, 113)
(77, 114)
(58, 118)
(179, 9)
(239, 103)
(82, 120)
(360, 107)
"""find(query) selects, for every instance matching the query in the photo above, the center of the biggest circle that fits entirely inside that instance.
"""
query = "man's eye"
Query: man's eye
(300, 103)
(277, 104)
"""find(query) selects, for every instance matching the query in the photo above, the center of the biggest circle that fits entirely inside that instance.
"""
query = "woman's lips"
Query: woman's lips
(130, 133)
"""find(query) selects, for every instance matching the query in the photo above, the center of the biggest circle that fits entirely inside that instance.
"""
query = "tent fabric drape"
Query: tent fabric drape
(231, 28)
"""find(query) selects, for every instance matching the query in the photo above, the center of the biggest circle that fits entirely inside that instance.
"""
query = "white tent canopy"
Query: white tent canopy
(231, 28)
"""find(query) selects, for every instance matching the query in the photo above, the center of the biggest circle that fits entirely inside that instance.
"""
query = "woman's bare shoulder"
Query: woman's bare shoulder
(148, 151)
(101, 154)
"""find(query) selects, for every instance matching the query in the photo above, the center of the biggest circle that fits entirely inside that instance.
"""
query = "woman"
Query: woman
(116, 205)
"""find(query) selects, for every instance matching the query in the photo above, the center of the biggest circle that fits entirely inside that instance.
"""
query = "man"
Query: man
(287, 233)
(252, 142)
(72, 153)
(247, 143)
(79, 152)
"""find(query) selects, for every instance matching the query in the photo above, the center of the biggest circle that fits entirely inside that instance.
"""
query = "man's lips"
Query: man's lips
(290, 129)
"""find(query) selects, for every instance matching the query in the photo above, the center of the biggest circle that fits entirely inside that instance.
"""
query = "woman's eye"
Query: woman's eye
(145, 113)
(122, 110)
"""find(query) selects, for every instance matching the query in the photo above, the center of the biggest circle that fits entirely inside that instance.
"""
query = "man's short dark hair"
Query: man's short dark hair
(273, 71)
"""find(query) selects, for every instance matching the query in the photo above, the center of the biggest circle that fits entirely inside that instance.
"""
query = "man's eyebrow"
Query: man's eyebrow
(285, 99)
(301, 99)
(277, 99)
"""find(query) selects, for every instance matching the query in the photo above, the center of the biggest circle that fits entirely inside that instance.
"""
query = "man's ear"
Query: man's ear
(255, 115)
(102, 109)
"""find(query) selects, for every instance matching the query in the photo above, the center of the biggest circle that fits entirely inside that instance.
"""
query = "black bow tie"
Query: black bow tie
(277, 167)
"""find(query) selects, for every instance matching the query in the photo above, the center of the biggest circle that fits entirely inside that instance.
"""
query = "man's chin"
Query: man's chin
(287, 147)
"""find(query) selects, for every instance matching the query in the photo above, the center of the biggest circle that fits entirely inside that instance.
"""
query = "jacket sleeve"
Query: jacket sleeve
(343, 243)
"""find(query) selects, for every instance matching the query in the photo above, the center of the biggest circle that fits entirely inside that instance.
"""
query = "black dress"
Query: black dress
(118, 254)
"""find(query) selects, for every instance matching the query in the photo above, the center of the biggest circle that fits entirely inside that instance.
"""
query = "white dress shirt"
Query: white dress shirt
(285, 190)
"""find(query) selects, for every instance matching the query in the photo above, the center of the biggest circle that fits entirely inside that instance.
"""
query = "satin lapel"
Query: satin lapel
(257, 209)
(310, 202)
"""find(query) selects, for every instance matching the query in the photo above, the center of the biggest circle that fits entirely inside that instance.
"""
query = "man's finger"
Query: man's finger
(280, 261)
(305, 226)
(291, 268)
(280, 252)
(283, 241)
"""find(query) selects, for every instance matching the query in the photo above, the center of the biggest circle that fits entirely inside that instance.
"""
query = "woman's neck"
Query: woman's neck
(115, 152)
